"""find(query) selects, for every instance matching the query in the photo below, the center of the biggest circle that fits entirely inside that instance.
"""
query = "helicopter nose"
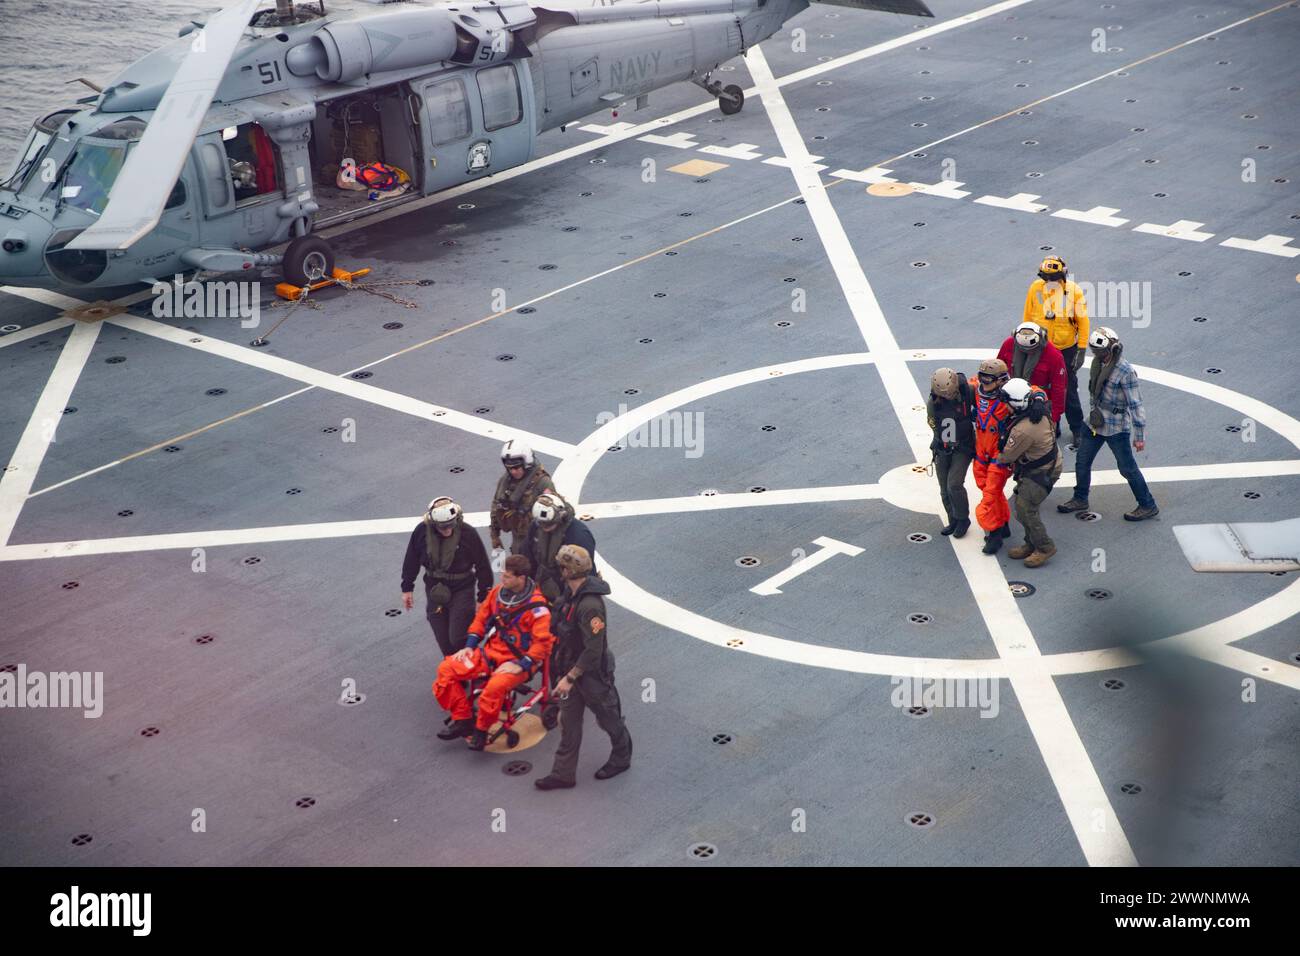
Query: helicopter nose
(22, 243)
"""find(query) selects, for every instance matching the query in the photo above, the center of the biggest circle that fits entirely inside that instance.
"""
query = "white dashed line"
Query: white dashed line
(871, 175)
(739, 151)
(612, 128)
(1020, 202)
(1182, 229)
(1270, 244)
(944, 189)
(807, 162)
(1097, 216)
(675, 140)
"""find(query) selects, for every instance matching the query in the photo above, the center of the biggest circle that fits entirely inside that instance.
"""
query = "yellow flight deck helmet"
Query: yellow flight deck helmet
(1051, 269)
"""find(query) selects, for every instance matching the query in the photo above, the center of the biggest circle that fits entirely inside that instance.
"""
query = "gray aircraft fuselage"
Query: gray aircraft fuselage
(464, 92)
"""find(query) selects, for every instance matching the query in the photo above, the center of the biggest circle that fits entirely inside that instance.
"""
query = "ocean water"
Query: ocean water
(46, 43)
(43, 44)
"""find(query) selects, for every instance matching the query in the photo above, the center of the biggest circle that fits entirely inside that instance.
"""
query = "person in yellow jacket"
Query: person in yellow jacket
(1058, 305)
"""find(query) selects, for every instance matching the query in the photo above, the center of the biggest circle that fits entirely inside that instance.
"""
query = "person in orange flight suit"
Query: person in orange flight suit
(993, 513)
(517, 623)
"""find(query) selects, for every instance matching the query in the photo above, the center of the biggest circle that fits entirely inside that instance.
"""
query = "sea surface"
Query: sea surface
(45, 44)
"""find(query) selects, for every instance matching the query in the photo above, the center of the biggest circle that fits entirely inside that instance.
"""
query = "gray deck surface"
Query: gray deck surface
(250, 722)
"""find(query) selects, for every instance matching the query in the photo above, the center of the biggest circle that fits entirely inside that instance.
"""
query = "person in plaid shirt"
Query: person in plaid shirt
(1116, 414)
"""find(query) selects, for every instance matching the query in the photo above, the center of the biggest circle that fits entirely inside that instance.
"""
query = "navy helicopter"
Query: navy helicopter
(250, 128)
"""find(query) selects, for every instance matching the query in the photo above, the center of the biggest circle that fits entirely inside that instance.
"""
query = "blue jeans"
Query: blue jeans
(1089, 445)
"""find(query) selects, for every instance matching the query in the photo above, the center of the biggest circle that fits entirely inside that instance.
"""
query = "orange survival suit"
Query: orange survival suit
(991, 411)
(520, 633)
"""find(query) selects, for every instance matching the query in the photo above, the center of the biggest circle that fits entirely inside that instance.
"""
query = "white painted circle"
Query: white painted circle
(899, 486)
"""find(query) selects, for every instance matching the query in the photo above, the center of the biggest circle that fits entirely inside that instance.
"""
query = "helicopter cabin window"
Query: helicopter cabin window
(448, 108)
(502, 104)
(254, 165)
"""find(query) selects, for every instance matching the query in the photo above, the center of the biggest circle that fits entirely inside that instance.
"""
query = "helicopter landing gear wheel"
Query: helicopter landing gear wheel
(308, 259)
(731, 99)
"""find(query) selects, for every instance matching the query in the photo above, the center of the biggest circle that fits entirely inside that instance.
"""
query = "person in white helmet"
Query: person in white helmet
(1117, 416)
(1030, 451)
(1030, 356)
(454, 561)
(553, 526)
(512, 502)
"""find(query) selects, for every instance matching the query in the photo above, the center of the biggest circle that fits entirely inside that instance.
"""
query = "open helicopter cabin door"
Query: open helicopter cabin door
(475, 122)
(354, 131)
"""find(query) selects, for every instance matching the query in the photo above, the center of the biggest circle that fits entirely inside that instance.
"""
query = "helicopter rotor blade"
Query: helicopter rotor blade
(155, 162)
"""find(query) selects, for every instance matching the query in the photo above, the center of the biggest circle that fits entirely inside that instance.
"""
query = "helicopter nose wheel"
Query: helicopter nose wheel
(308, 260)
(731, 99)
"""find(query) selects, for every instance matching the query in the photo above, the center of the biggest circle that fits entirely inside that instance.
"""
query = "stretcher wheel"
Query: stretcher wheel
(550, 717)
(512, 739)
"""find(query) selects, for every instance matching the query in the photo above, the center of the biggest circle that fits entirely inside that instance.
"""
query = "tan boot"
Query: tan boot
(1039, 558)
(1020, 551)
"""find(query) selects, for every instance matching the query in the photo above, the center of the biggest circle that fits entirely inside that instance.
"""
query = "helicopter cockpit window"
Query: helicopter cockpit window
(34, 150)
(28, 159)
(254, 167)
(89, 177)
(502, 104)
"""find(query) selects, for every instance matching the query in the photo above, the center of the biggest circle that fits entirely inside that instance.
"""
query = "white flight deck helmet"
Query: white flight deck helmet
(548, 508)
(1102, 339)
(1028, 335)
(515, 454)
(1016, 394)
(443, 512)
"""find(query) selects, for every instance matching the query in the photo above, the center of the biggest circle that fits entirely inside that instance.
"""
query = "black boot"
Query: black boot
(1006, 530)
(959, 528)
(479, 740)
(949, 527)
(993, 541)
(457, 728)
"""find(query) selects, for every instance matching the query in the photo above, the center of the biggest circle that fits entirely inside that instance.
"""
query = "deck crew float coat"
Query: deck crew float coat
(543, 545)
(512, 504)
(458, 563)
